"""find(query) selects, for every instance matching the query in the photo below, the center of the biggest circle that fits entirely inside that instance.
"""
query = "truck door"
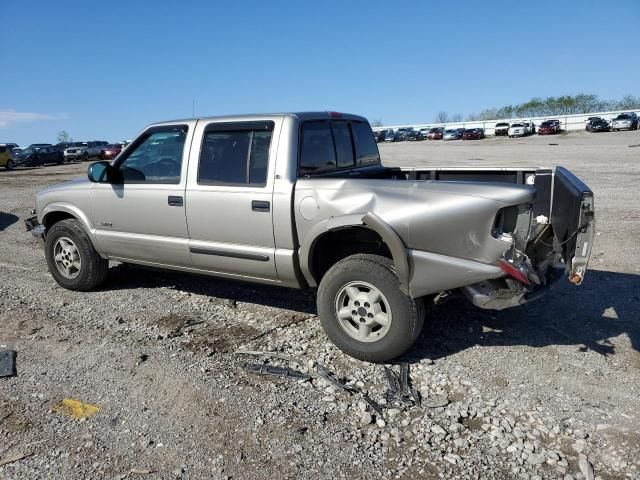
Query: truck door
(140, 215)
(229, 199)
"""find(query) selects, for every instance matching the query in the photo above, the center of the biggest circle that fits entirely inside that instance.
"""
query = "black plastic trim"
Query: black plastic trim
(226, 253)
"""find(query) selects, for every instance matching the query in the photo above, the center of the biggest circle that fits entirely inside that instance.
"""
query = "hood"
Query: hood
(77, 184)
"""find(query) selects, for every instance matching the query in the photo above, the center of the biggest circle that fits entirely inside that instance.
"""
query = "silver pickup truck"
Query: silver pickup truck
(301, 200)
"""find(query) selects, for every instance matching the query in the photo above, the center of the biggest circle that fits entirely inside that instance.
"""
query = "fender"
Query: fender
(370, 220)
(77, 213)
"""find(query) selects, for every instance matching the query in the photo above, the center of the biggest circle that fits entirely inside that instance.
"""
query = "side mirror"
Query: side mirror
(99, 172)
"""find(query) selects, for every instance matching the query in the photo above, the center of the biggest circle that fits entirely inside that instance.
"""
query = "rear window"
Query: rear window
(336, 145)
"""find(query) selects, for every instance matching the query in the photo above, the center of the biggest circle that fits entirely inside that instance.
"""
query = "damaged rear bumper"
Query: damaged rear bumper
(501, 293)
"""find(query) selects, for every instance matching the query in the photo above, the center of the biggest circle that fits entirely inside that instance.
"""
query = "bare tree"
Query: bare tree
(64, 137)
(456, 117)
(442, 117)
(376, 122)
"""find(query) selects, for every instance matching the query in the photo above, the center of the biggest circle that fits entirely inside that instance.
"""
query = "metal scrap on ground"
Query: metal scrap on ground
(331, 377)
(400, 389)
(287, 372)
(8, 363)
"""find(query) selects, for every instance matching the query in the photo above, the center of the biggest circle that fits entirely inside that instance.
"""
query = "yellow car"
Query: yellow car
(5, 157)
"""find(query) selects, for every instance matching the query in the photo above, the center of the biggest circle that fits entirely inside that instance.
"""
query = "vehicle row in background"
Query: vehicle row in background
(520, 128)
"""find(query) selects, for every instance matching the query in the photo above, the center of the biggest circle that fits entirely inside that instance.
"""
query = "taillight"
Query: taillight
(335, 114)
(512, 271)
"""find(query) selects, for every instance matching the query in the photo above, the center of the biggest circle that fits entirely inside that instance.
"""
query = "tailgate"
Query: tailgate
(573, 223)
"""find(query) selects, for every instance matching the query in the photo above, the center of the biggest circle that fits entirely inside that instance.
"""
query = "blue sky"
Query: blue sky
(102, 70)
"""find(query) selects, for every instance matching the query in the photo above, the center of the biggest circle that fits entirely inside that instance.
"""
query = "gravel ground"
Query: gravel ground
(547, 390)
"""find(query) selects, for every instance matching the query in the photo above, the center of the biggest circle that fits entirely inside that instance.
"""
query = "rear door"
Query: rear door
(229, 198)
(141, 215)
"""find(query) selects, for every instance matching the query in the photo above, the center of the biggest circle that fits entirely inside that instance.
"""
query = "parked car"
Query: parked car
(84, 150)
(473, 134)
(344, 224)
(501, 128)
(549, 127)
(598, 125)
(402, 134)
(34, 156)
(37, 145)
(10, 146)
(531, 126)
(62, 146)
(110, 151)
(518, 130)
(424, 132)
(436, 133)
(378, 135)
(452, 134)
(6, 158)
(414, 135)
(625, 121)
(390, 136)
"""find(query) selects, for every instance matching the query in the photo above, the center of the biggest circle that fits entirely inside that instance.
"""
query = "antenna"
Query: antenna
(193, 108)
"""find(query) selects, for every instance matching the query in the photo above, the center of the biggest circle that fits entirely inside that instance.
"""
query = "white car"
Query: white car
(519, 130)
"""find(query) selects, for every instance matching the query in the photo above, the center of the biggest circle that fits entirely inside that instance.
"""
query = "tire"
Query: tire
(87, 270)
(9, 165)
(404, 315)
(85, 157)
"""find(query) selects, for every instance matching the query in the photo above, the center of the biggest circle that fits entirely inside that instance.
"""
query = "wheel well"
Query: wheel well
(335, 245)
(54, 217)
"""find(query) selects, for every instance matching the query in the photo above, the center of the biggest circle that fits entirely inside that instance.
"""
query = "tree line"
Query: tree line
(551, 106)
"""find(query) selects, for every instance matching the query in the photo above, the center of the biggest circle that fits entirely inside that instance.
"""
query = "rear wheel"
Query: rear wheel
(85, 156)
(9, 165)
(364, 312)
(71, 258)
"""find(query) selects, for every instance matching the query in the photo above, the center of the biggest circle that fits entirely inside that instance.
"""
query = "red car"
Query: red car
(436, 133)
(549, 127)
(473, 134)
(110, 151)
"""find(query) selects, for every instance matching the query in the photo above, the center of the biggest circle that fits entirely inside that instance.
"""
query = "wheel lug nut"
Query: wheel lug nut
(370, 315)
(366, 305)
(362, 320)
(356, 303)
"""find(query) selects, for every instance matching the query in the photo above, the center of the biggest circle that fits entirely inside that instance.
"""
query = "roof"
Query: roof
(319, 115)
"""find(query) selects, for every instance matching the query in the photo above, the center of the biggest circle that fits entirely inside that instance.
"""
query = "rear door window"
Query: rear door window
(344, 147)
(366, 148)
(235, 156)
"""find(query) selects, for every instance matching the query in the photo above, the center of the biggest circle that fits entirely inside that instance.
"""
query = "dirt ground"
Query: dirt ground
(547, 390)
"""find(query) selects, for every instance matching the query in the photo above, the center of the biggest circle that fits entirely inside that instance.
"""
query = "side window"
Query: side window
(316, 152)
(366, 148)
(344, 149)
(155, 157)
(235, 157)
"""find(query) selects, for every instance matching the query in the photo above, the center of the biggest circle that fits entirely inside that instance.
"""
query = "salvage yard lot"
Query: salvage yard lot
(510, 394)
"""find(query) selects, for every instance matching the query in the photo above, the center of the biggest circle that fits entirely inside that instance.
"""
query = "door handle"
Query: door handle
(260, 206)
(175, 201)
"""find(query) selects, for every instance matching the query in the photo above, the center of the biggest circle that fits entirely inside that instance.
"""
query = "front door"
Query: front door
(229, 210)
(140, 215)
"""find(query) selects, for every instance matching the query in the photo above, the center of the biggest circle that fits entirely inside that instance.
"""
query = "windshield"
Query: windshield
(624, 116)
(27, 151)
(516, 125)
(78, 144)
(546, 124)
(502, 124)
(451, 131)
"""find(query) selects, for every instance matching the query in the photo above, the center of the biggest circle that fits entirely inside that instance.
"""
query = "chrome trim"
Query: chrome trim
(226, 253)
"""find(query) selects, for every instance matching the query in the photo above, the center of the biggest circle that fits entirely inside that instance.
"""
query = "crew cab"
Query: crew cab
(302, 200)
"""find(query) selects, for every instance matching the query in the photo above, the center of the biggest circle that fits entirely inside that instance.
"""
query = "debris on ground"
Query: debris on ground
(75, 408)
(14, 458)
(400, 389)
(141, 471)
(272, 370)
(331, 377)
(8, 363)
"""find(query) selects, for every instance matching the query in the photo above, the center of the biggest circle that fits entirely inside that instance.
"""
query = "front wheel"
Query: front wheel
(9, 165)
(71, 258)
(364, 312)
(85, 156)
